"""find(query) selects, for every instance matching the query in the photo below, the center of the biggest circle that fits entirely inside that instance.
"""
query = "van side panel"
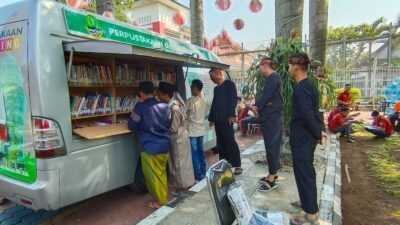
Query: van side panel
(17, 158)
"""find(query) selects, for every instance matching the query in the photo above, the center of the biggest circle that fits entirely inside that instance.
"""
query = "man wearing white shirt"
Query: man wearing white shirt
(196, 114)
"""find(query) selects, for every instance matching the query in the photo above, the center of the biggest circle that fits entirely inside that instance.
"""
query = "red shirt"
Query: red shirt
(384, 123)
(337, 121)
(345, 97)
(332, 114)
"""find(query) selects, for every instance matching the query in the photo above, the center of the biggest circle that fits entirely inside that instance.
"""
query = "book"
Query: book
(91, 104)
(90, 74)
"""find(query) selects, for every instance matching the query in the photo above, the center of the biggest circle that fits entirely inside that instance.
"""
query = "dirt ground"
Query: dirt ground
(363, 201)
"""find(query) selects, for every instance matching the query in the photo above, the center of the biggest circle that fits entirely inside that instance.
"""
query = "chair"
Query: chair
(253, 128)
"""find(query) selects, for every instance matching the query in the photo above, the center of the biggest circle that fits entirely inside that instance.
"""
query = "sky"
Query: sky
(260, 26)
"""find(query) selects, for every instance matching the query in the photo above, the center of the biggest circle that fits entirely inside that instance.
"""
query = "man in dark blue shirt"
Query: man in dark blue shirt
(269, 105)
(306, 129)
(222, 115)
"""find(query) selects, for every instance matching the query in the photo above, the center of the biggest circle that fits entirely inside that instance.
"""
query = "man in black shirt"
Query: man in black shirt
(269, 106)
(222, 115)
(305, 132)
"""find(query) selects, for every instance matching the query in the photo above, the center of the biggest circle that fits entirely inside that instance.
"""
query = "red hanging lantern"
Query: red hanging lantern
(223, 4)
(255, 6)
(239, 24)
(179, 18)
(79, 4)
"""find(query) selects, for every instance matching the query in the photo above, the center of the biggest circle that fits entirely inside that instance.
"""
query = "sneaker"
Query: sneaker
(267, 186)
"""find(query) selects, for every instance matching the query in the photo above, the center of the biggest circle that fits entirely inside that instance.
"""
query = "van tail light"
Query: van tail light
(3, 133)
(48, 139)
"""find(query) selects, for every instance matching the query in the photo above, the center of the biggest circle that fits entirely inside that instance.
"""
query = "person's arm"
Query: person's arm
(135, 119)
(305, 110)
(211, 117)
(176, 120)
(231, 98)
(267, 93)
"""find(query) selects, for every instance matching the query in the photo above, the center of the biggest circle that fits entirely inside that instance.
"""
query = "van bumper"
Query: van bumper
(43, 194)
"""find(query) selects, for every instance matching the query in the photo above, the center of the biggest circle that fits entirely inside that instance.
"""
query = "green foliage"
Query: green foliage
(357, 52)
(121, 6)
(279, 52)
(385, 167)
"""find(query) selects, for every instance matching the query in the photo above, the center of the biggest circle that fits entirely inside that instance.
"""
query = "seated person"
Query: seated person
(345, 98)
(341, 123)
(381, 126)
(335, 111)
(395, 117)
(248, 116)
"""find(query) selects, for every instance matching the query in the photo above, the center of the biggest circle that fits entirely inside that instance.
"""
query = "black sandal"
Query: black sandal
(265, 179)
(266, 186)
(237, 171)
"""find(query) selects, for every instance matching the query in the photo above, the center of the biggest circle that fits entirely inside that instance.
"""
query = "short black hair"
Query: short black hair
(347, 85)
(301, 59)
(344, 109)
(375, 113)
(197, 84)
(147, 87)
(271, 63)
(166, 88)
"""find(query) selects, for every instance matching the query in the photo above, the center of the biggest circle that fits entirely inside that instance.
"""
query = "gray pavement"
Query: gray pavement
(197, 209)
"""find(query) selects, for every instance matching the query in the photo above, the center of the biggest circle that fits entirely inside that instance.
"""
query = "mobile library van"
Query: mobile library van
(68, 81)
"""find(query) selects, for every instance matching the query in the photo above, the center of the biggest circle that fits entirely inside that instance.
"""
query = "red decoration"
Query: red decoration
(206, 43)
(108, 14)
(179, 18)
(79, 4)
(255, 6)
(239, 24)
(223, 4)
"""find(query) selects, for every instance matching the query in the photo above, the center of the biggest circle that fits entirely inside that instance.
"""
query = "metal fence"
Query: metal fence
(370, 82)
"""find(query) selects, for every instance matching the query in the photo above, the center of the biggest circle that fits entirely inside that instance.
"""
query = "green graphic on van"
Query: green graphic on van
(88, 25)
(93, 27)
(15, 162)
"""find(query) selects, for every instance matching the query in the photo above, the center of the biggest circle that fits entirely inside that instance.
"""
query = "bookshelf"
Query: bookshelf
(103, 91)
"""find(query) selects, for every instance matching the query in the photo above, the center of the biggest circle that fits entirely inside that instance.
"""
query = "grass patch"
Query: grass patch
(384, 166)
(396, 214)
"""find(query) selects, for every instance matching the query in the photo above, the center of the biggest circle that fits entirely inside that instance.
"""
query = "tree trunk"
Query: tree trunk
(104, 6)
(197, 22)
(318, 29)
(289, 18)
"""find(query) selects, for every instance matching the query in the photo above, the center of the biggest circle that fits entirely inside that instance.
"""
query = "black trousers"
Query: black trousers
(226, 144)
(272, 133)
(305, 176)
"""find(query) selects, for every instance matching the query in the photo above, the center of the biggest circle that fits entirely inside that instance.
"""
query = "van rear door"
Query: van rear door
(17, 157)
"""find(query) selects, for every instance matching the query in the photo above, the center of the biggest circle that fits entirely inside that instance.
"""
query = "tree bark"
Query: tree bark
(318, 29)
(104, 6)
(289, 18)
(197, 22)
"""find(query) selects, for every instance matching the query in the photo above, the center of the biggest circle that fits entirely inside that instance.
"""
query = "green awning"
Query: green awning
(121, 38)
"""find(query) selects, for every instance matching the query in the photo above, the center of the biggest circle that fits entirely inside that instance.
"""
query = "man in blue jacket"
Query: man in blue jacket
(306, 129)
(269, 106)
(150, 120)
(223, 115)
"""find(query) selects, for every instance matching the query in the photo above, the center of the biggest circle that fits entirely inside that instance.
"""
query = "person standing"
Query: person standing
(269, 106)
(150, 121)
(196, 114)
(306, 128)
(222, 116)
(180, 163)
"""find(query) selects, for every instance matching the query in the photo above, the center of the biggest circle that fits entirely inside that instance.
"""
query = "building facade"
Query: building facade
(166, 17)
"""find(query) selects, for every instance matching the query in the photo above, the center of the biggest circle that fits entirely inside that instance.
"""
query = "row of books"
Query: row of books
(91, 104)
(126, 74)
(164, 76)
(125, 103)
(90, 74)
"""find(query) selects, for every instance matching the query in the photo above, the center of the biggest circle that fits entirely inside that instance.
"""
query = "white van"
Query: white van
(68, 80)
